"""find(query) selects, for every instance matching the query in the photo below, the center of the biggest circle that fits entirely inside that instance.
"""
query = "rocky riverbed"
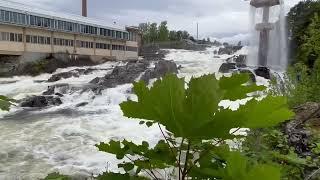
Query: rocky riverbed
(60, 116)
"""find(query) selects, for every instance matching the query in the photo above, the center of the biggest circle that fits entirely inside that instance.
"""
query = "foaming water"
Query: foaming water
(62, 138)
(278, 44)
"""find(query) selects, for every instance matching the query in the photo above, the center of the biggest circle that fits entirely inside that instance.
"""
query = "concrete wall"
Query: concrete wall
(31, 51)
(8, 47)
(63, 49)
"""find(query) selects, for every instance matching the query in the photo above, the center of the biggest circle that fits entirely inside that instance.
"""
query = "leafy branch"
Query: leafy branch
(192, 119)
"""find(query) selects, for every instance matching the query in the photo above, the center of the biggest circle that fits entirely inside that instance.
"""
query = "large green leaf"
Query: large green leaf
(5, 103)
(221, 163)
(194, 112)
(237, 87)
(159, 157)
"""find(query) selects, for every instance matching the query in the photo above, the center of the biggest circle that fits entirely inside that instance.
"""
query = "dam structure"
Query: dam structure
(268, 42)
(30, 33)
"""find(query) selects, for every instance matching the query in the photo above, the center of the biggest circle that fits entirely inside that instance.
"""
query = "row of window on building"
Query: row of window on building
(15, 37)
(54, 24)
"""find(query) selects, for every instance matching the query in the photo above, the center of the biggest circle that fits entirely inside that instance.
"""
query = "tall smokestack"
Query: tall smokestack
(84, 8)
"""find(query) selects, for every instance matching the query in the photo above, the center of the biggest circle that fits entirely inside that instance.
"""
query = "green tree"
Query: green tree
(163, 31)
(144, 28)
(310, 49)
(194, 128)
(153, 32)
(173, 36)
(299, 18)
(179, 35)
(185, 35)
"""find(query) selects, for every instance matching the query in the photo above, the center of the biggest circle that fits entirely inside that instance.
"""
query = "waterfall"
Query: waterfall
(277, 58)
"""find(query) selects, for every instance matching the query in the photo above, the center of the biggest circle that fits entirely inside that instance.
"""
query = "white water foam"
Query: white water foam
(62, 138)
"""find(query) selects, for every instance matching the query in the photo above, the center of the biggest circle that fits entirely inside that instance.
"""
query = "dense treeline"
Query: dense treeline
(152, 32)
(303, 25)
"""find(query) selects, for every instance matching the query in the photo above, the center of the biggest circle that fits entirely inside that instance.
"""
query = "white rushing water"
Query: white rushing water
(62, 138)
(278, 45)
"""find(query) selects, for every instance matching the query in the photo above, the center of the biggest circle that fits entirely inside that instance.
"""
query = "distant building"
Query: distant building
(34, 33)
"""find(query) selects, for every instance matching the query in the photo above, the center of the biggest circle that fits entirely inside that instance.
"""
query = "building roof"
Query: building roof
(20, 7)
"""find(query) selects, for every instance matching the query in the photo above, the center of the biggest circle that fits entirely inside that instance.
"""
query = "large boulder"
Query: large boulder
(240, 60)
(161, 68)
(122, 75)
(57, 88)
(263, 72)
(299, 136)
(229, 49)
(69, 74)
(41, 101)
(227, 67)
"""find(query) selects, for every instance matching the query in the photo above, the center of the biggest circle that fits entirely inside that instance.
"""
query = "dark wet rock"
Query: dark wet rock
(52, 89)
(263, 72)
(63, 75)
(72, 73)
(122, 75)
(41, 101)
(39, 81)
(227, 67)
(161, 69)
(152, 52)
(49, 91)
(299, 136)
(59, 94)
(82, 104)
(7, 82)
(240, 60)
(251, 74)
(229, 49)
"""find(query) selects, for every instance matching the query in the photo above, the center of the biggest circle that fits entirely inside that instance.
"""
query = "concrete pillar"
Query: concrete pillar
(94, 46)
(74, 44)
(24, 39)
(52, 41)
(264, 39)
(111, 47)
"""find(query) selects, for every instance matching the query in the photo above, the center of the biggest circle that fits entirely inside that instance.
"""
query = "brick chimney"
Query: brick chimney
(84, 8)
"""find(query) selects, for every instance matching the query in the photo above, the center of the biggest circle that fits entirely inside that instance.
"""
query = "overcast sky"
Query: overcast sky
(217, 18)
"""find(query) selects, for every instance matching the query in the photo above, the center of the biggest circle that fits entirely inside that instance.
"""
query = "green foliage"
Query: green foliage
(5, 103)
(163, 31)
(57, 176)
(196, 128)
(119, 176)
(302, 84)
(270, 145)
(310, 49)
(151, 33)
(299, 19)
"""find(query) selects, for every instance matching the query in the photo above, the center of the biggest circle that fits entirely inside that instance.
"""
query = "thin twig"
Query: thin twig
(179, 161)
(184, 173)
(166, 139)
(208, 150)
(314, 173)
(142, 169)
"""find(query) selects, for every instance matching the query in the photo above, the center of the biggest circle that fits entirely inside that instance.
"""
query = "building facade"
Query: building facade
(28, 31)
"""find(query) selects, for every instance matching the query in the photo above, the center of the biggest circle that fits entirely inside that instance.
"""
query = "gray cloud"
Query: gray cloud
(216, 17)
